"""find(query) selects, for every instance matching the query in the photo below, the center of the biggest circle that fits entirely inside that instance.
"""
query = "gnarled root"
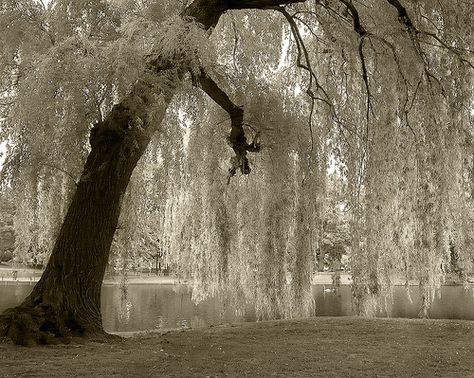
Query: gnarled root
(29, 325)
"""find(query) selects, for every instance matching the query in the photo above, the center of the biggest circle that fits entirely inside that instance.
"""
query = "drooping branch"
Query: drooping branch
(67, 173)
(359, 29)
(396, 58)
(236, 43)
(414, 33)
(445, 45)
(355, 17)
(303, 61)
(237, 138)
(403, 16)
(303, 53)
(297, 16)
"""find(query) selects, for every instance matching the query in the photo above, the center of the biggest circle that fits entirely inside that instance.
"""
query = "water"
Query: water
(169, 306)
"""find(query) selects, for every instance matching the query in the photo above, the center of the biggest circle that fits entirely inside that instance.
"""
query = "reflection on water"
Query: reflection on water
(144, 307)
(453, 302)
(12, 294)
(162, 306)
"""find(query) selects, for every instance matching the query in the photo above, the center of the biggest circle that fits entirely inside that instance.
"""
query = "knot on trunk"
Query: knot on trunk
(112, 130)
(108, 136)
(121, 122)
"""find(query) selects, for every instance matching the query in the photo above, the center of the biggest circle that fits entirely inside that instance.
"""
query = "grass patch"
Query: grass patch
(316, 347)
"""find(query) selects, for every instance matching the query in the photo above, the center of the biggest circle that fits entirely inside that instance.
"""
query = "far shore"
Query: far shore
(30, 275)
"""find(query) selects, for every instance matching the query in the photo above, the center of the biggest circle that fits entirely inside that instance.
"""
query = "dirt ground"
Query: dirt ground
(316, 347)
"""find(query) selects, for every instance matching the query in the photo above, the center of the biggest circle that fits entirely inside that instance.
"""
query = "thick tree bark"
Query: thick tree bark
(66, 300)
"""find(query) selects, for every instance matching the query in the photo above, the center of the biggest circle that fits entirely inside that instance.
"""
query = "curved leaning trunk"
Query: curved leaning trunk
(73, 276)
(66, 300)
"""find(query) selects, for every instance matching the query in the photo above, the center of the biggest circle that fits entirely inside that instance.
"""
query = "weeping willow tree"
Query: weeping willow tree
(95, 91)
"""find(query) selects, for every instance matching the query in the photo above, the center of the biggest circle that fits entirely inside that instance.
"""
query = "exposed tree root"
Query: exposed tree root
(42, 325)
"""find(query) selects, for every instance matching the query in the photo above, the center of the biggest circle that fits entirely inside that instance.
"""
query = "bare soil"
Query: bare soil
(316, 347)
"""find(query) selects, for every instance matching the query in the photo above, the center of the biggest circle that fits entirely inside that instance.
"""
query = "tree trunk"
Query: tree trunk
(66, 300)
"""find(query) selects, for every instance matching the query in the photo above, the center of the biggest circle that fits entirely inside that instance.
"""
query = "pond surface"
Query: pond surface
(170, 306)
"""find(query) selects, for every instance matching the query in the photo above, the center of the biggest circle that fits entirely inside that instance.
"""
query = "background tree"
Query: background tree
(335, 240)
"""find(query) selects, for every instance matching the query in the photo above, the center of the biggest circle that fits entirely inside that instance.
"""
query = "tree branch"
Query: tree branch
(355, 17)
(208, 12)
(362, 34)
(413, 32)
(68, 174)
(259, 4)
(303, 52)
(237, 138)
(403, 15)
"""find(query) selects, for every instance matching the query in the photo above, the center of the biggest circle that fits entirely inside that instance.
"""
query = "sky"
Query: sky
(45, 2)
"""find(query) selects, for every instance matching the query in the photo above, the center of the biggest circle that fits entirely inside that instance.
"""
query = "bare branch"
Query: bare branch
(405, 20)
(236, 43)
(413, 32)
(454, 50)
(237, 138)
(310, 29)
(68, 174)
(355, 17)
(303, 52)
(359, 29)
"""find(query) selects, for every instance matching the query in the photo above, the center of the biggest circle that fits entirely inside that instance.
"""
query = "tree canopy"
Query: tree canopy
(379, 91)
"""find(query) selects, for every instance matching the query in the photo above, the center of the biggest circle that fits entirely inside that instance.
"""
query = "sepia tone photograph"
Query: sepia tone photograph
(237, 188)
